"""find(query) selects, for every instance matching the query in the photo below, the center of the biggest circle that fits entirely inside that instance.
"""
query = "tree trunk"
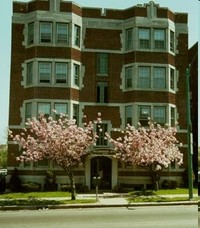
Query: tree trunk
(155, 180)
(72, 185)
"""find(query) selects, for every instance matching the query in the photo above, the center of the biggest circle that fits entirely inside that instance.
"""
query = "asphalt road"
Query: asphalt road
(137, 217)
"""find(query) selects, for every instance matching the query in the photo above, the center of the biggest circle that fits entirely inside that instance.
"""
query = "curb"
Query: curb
(97, 205)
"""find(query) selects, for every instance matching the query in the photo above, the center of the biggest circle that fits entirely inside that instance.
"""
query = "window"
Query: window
(144, 115)
(128, 77)
(171, 41)
(31, 33)
(102, 90)
(45, 109)
(29, 77)
(144, 38)
(76, 74)
(61, 72)
(101, 129)
(45, 32)
(172, 80)
(76, 113)
(77, 35)
(159, 38)
(144, 77)
(159, 78)
(128, 115)
(172, 113)
(60, 109)
(102, 63)
(129, 39)
(44, 72)
(62, 33)
(28, 111)
(159, 115)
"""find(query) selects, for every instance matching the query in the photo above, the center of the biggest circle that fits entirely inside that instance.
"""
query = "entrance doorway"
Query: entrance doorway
(102, 167)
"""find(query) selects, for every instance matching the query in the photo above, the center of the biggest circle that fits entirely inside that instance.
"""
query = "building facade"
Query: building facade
(128, 64)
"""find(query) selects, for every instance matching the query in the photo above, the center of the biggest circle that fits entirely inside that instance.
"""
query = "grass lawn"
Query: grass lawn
(21, 195)
(159, 196)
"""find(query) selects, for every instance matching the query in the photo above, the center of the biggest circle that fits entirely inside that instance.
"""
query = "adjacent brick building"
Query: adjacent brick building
(129, 64)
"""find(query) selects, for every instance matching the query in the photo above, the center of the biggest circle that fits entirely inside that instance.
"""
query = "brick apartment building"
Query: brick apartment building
(129, 64)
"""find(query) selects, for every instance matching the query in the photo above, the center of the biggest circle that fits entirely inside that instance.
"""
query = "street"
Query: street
(161, 216)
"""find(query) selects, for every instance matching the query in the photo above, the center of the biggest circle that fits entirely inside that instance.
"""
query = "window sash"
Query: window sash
(172, 79)
(28, 111)
(160, 115)
(102, 63)
(128, 115)
(159, 77)
(102, 92)
(171, 41)
(144, 115)
(77, 35)
(101, 141)
(62, 33)
(159, 38)
(76, 113)
(172, 120)
(31, 33)
(45, 32)
(45, 72)
(128, 77)
(29, 79)
(129, 39)
(76, 74)
(61, 72)
(144, 38)
(44, 108)
(144, 77)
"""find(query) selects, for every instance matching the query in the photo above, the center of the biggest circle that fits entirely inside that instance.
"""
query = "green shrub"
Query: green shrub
(31, 187)
(15, 184)
(169, 184)
(50, 181)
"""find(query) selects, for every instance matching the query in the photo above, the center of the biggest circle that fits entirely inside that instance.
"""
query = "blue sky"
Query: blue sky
(191, 7)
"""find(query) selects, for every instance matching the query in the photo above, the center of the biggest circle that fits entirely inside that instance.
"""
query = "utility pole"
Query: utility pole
(189, 135)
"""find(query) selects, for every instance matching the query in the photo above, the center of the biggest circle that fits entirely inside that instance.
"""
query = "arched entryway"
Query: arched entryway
(102, 166)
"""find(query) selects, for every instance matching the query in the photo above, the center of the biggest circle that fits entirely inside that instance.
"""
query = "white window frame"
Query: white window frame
(46, 78)
(46, 33)
(62, 33)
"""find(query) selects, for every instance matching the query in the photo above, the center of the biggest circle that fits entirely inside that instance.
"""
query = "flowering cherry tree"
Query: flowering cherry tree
(61, 141)
(153, 148)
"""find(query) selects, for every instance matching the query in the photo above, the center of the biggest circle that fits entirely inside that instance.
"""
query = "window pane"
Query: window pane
(128, 115)
(144, 77)
(76, 74)
(101, 130)
(45, 32)
(102, 92)
(77, 35)
(128, 77)
(31, 33)
(45, 72)
(144, 115)
(129, 39)
(172, 81)
(28, 111)
(159, 38)
(159, 78)
(159, 115)
(144, 38)
(171, 41)
(29, 79)
(44, 108)
(172, 112)
(102, 63)
(76, 113)
(62, 33)
(61, 72)
(60, 109)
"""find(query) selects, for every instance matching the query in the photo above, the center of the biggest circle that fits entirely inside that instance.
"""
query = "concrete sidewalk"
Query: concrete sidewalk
(103, 200)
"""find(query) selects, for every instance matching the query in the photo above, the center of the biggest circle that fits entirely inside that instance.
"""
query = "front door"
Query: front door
(101, 167)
